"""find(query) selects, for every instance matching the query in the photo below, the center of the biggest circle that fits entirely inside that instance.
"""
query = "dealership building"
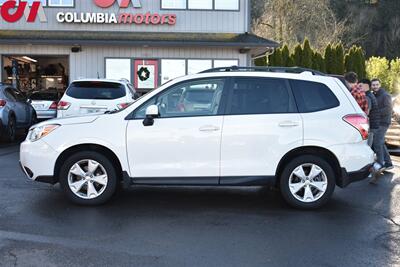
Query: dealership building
(48, 43)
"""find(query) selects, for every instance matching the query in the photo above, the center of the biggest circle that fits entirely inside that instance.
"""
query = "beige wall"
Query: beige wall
(91, 60)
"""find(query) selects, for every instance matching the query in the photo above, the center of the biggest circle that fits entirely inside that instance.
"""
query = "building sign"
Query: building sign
(117, 18)
(11, 12)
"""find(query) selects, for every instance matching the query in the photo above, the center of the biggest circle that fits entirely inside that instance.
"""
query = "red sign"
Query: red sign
(9, 14)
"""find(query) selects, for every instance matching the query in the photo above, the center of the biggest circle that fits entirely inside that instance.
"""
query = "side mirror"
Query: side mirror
(29, 101)
(151, 113)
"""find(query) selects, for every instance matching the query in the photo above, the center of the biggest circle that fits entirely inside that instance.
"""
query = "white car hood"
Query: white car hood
(70, 120)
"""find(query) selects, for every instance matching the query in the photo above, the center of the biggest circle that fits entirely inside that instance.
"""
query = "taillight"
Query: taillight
(2, 103)
(62, 105)
(359, 122)
(123, 105)
(53, 105)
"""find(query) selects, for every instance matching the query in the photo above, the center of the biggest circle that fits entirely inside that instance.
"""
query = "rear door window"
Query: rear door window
(313, 96)
(260, 96)
(96, 90)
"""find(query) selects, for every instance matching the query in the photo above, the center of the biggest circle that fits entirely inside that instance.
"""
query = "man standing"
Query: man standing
(358, 94)
(385, 113)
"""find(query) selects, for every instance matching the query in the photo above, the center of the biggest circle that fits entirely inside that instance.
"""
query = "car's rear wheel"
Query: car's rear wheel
(307, 182)
(10, 132)
(88, 178)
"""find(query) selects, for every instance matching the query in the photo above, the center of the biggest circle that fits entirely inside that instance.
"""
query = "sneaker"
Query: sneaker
(389, 167)
(378, 168)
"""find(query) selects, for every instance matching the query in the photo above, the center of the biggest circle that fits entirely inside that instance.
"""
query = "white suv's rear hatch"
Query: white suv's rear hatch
(90, 97)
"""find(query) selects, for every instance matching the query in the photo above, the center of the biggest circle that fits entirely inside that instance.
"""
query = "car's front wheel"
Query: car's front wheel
(307, 182)
(88, 178)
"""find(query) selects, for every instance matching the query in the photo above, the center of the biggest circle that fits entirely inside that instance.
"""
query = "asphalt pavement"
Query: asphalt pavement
(164, 226)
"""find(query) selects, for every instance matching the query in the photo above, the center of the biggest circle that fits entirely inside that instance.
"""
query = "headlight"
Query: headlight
(40, 132)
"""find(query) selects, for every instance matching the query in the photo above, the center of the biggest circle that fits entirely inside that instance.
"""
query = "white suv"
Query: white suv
(95, 96)
(302, 132)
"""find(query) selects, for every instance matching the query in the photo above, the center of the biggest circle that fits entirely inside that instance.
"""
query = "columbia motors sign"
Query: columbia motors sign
(12, 12)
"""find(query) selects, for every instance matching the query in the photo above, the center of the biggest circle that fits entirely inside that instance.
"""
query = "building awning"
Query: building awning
(245, 42)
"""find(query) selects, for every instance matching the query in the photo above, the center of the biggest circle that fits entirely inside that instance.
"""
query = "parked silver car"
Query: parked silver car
(16, 113)
(45, 103)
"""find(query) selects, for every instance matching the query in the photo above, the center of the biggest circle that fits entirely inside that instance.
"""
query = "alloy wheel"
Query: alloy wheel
(87, 179)
(308, 183)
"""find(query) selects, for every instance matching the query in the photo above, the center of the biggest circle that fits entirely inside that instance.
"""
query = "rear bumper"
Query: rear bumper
(355, 176)
(46, 114)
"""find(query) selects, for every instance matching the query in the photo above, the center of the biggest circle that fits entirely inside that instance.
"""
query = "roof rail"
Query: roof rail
(297, 70)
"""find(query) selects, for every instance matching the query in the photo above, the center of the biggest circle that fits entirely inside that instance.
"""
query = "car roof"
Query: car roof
(306, 76)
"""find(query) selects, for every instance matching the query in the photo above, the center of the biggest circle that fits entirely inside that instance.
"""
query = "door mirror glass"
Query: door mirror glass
(152, 111)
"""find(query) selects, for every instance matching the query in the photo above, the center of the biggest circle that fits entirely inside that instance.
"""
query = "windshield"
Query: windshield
(96, 90)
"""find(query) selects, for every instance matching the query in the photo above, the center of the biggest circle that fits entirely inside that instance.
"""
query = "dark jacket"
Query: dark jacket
(374, 115)
(385, 107)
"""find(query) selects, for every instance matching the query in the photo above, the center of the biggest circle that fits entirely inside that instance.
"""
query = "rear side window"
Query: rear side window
(96, 90)
(313, 96)
(260, 96)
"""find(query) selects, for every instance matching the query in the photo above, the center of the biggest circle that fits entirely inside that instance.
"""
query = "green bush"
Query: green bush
(378, 67)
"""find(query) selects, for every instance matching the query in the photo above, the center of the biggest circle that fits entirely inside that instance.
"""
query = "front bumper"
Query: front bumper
(351, 177)
(37, 160)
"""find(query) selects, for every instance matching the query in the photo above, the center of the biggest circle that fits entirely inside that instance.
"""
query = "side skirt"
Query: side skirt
(203, 181)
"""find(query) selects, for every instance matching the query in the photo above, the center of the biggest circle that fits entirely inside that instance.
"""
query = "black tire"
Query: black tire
(10, 131)
(111, 186)
(291, 166)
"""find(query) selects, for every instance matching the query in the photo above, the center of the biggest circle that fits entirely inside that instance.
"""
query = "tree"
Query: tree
(329, 60)
(306, 55)
(339, 59)
(378, 67)
(296, 56)
(318, 62)
(289, 21)
(394, 77)
(286, 61)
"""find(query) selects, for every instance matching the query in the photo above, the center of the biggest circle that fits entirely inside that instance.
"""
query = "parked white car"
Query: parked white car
(92, 96)
(300, 131)
(45, 103)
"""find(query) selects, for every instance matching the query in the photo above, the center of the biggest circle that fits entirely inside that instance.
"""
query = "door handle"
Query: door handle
(289, 124)
(209, 128)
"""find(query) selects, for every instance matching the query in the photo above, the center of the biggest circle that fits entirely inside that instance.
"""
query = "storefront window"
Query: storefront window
(173, 4)
(225, 63)
(172, 68)
(198, 65)
(200, 4)
(226, 4)
(118, 68)
(61, 3)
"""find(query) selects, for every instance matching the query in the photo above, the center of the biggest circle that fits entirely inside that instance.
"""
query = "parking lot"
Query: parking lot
(195, 226)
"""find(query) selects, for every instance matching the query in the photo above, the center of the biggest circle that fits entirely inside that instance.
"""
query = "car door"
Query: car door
(16, 106)
(183, 145)
(261, 125)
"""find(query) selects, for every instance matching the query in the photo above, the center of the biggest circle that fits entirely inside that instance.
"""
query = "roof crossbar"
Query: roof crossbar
(297, 70)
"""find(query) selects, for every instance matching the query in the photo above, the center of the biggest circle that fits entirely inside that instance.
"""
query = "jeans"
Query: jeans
(379, 146)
